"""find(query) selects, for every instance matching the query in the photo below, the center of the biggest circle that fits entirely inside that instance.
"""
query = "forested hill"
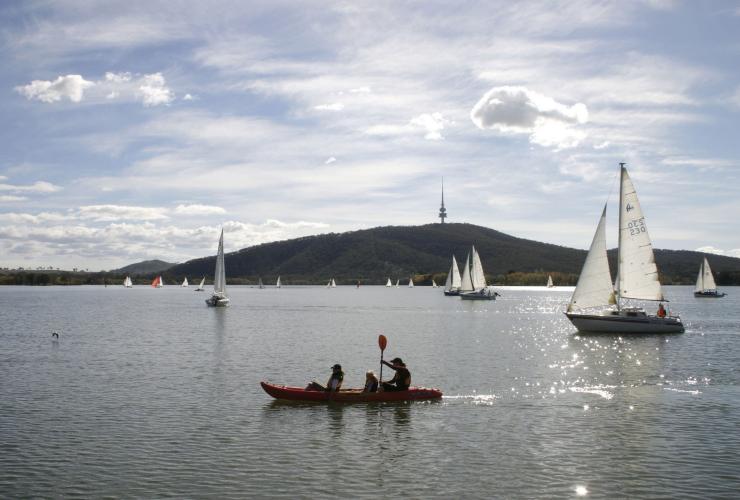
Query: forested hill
(374, 255)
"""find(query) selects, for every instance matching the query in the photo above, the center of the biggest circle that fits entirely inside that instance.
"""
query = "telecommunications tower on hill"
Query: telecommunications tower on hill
(442, 209)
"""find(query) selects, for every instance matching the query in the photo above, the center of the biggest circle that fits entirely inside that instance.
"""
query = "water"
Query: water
(148, 393)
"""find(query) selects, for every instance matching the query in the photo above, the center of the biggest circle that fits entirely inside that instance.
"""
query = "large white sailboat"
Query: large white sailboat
(592, 306)
(474, 286)
(184, 282)
(705, 285)
(453, 283)
(200, 287)
(127, 282)
(219, 297)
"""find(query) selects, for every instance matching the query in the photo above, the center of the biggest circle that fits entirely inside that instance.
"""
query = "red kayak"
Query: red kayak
(349, 395)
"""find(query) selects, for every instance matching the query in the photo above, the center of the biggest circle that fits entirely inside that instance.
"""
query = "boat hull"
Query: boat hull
(479, 295)
(613, 323)
(348, 396)
(709, 295)
(217, 302)
(452, 293)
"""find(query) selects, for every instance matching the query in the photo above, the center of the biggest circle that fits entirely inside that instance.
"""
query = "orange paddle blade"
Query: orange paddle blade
(382, 342)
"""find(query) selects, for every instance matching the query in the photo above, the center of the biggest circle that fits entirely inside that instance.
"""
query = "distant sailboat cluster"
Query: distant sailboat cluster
(472, 284)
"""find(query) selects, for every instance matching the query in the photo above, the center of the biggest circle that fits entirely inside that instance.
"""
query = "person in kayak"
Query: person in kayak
(333, 384)
(371, 382)
(401, 380)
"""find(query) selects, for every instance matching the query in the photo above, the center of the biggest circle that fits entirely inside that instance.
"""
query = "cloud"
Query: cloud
(431, 124)
(735, 252)
(519, 110)
(104, 213)
(149, 89)
(361, 90)
(196, 209)
(10, 198)
(36, 187)
(336, 106)
(71, 87)
(330, 160)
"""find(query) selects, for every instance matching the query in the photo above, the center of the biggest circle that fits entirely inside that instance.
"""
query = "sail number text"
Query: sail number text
(637, 226)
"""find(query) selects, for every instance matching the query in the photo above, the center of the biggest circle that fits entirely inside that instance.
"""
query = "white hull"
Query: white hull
(625, 322)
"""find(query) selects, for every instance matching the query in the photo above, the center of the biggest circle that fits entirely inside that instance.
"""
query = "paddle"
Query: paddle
(382, 342)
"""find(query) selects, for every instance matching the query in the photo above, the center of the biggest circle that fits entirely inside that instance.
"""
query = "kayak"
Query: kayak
(349, 395)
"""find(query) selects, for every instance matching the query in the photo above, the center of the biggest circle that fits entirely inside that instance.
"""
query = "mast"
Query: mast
(619, 241)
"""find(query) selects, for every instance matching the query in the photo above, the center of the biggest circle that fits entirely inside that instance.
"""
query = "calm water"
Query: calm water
(148, 393)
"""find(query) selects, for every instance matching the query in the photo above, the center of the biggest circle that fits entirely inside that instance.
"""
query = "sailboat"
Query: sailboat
(127, 282)
(474, 286)
(549, 281)
(434, 283)
(705, 285)
(333, 283)
(260, 285)
(389, 284)
(398, 282)
(411, 282)
(219, 297)
(185, 282)
(158, 282)
(200, 287)
(452, 285)
(637, 276)
(277, 284)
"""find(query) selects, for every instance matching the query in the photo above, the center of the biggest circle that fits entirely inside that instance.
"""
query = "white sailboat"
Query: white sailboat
(453, 283)
(398, 282)
(637, 277)
(389, 284)
(200, 287)
(411, 282)
(333, 283)
(219, 297)
(277, 284)
(127, 282)
(549, 281)
(184, 282)
(705, 285)
(476, 287)
(434, 283)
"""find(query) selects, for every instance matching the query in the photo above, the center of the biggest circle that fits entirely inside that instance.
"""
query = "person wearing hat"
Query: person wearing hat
(336, 378)
(401, 380)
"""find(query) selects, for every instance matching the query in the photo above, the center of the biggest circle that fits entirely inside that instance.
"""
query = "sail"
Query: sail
(219, 280)
(594, 287)
(333, 283)
(397, 282)
(638, 274)
(434, 283)
(411, 282)
(278, 285)
(127, 282)
(156, 282)
(456, 280)
(389, 284)
(705, 280)
(161, 282)
(185, 282)
(477, 277)
(260, 284)
(202, 282)
(466, 283)
(549, 281)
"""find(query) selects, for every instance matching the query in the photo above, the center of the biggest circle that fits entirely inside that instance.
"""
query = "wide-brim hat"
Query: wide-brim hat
(397, 361)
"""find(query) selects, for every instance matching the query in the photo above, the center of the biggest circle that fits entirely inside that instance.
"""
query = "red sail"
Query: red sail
(155, 282)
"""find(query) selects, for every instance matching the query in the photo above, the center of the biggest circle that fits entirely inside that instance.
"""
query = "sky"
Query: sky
(136, 130)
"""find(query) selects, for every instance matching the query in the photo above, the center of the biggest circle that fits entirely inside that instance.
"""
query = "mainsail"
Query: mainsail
(184, 282)
(594, 287)
(277, 284)
(705, 280)
(638, 274)
(411, 282)
(466, 283)
(219, 280)
(477, 277)
(549, 281)
(389, 284)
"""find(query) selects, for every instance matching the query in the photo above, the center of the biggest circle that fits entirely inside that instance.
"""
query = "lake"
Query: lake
(149, 393)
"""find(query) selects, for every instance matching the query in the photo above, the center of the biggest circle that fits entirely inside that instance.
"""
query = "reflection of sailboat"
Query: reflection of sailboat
(277, 284)
(184, 282)
(705, 285)
(411, 282)
(474, 286)
(637, 276)
(389, 284)
(452, 285)
(200, 287)
(219, 297)
(549, 281)
(434, 283)
(158, 282)
(127, 282)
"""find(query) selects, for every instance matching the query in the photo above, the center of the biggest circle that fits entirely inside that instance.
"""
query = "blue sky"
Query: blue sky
(135, 130)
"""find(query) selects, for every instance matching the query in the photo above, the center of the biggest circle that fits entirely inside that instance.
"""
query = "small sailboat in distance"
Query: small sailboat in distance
(389, 284)
(637, 277)
(474, 280)
(434, 283)
(127, 282)
(158, 282)
(398, 282)
(705, 285)
(200, 287)
(549, 281)
(333, 283)
(219, 297)
(277, 284)
(185, 282)
(452, 285)
(411, 282)
(260, 285)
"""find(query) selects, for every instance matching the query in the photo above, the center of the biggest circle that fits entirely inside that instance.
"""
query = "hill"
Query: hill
(373, 255)
(145, 267)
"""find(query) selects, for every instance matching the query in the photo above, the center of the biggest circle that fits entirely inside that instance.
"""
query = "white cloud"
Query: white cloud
(336, 106)
(196, 209)
(71, 87)
(330, 160)
(518, 110)
(104, 213)
(431, 124)
(9, 198)
(149, 89)
(36, 187)
(188, 97)
(735, 252)
(361, 90)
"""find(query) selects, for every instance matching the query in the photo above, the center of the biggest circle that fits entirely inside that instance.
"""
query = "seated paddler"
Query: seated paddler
(333, 384)
(402, 378)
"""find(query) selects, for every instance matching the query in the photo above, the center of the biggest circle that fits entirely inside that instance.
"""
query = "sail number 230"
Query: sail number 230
(637, 226)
